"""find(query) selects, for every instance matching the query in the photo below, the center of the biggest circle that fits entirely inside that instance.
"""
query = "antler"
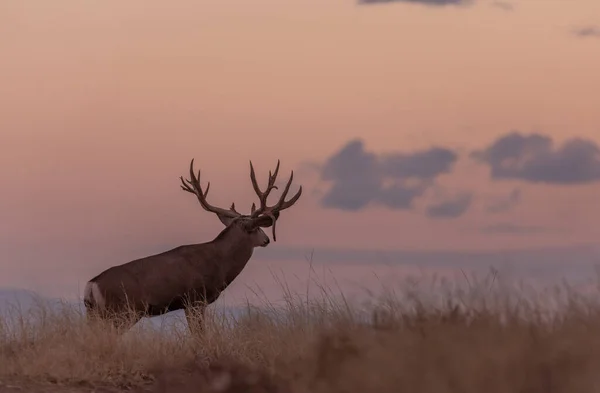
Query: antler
(262, 196)
(193, 186)
(282, 204)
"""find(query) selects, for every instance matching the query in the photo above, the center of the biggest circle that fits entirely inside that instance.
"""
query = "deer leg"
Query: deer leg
(194, 314)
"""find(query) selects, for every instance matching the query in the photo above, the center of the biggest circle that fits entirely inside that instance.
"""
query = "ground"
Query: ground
(465, 341)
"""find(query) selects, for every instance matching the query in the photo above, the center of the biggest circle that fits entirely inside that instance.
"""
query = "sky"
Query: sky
(437, 128)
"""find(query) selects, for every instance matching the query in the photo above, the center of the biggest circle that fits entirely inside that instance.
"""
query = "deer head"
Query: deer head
(262, 217)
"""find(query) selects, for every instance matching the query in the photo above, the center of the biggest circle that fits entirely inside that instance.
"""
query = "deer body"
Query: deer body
(188, 277)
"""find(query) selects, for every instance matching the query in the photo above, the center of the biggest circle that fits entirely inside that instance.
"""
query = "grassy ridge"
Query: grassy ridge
(482, 338)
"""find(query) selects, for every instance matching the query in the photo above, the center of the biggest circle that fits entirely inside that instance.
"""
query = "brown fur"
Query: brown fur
(189, 275)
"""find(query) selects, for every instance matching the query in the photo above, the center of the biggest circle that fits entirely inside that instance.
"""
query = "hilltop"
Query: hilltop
(474, 340)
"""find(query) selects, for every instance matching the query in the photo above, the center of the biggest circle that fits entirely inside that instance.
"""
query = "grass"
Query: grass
(482, 338)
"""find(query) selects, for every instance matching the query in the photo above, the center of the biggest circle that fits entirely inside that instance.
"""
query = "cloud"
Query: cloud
(506, 203)
(451, 208)
(508, 228)
(393, 180)
(425, 164)
(435, 3)
(503, 5)
(400, 196)
(533, 158)
(356, 178)
(587, 31)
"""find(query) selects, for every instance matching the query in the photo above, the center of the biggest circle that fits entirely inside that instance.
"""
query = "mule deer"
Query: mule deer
(188, 277)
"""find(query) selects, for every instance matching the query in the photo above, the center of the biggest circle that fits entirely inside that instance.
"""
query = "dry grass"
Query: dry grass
(475, 340)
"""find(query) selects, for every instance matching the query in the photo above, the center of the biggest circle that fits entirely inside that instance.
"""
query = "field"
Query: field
(478, 338)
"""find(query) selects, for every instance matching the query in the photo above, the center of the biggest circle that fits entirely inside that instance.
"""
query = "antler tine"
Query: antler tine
(196, 189)
(282, 203)
(253, 179)
(262, 196)
(274, 177)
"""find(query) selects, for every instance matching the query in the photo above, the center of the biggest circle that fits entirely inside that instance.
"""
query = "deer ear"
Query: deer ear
(225, 220)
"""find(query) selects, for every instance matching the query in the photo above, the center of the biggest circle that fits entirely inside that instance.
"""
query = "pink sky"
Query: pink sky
(103, 104)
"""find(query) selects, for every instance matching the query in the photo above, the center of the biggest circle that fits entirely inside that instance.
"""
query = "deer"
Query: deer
(192, 276)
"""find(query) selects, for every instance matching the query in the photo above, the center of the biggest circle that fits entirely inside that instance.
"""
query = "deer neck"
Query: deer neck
(235, 245)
